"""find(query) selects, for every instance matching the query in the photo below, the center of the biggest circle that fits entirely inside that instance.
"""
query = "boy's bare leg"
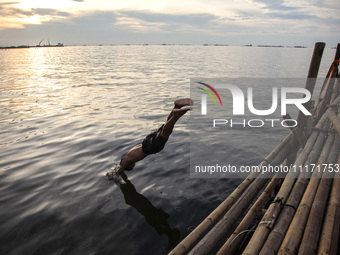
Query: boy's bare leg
(171, 121)
(179, 103)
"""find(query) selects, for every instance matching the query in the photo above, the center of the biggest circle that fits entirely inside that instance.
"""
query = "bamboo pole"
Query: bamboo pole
(335, 247)
(262, 231)
(298, 134)
(289, 244)
(330, 88)
(259, 237)
(334, 74)
(294, 234)
(314, 65)
(330, 230)
(211, 239)
(336, 89)
(214, 236)
(273, 242)
(276, 236)
(233, 241)
(186, 243)
(310, 238)
(335, 120)
(311, 79)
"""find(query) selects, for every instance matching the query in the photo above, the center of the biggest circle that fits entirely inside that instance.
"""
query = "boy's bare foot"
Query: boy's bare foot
(183, 102)
(181, 111)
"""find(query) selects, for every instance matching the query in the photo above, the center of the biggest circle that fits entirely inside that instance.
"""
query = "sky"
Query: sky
(231, 22)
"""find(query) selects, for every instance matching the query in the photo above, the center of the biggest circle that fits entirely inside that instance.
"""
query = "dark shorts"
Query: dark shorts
(154, 142)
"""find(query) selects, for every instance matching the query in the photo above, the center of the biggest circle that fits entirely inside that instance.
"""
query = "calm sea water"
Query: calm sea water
(68, 114)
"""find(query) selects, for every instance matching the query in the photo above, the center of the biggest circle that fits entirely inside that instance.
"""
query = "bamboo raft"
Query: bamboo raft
(298, 213)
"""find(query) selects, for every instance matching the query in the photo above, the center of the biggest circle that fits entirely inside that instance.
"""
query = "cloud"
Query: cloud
(193, 19)
(15, 17)
(10, 15)
(133, 25)
(301, 8)
(97, 19)
(9, 9)
(147, 22)
(277, 5)
(293, 17)
(49, 12)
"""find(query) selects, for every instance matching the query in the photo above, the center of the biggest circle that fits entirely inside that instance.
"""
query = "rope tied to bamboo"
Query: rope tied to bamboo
(242, 232)
(277, 207)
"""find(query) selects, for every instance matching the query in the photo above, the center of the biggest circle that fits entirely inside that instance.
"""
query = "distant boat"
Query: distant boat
(273, 46)
(300, 47)
(50, 45)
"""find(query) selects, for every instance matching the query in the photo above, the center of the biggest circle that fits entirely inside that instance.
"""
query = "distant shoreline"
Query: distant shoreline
(28, 46)
(226, 45)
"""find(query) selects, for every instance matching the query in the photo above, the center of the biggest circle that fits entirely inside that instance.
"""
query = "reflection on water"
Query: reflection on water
(155, 217)
(67, 114)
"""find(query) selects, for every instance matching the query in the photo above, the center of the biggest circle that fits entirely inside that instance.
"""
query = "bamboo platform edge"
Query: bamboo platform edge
(298, 208)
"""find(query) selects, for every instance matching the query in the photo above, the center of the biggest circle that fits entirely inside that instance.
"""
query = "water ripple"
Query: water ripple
(68, 114)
